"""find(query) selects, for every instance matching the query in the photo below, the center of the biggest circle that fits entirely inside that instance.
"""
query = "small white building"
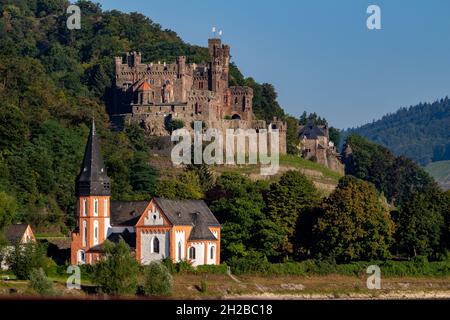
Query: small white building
(14, 234)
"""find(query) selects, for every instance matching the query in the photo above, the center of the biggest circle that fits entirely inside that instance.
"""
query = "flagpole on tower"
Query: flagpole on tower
(214, 31)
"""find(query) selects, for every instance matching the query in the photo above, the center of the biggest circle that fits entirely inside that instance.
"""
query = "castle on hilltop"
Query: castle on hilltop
(151, 94)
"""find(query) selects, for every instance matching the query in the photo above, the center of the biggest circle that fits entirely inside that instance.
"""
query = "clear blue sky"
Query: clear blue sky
(319, 54)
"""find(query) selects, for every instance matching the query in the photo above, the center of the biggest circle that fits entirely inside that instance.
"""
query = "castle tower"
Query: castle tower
(220, 57)
(181, 64)
(93, 204)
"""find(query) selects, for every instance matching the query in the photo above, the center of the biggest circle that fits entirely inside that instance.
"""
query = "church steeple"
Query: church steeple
(93, 180)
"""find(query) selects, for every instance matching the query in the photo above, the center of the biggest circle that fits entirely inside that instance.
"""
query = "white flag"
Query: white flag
(220, 32)
(213, 29)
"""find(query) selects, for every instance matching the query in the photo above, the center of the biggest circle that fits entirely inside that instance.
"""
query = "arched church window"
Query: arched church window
(95, 207)
(179, 251)
(95, 232)
(155, 245)
(84, 207)
(81, 257)
(84, 233)
(192, 253)
(212, 250)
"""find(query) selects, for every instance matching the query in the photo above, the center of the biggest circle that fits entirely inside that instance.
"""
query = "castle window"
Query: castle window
(192, 253)
(172, 108)
(95, 207)
(155, 245)
(211, 252)
(235, 100)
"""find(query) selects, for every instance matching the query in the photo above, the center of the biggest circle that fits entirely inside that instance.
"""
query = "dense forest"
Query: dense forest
(420, 132)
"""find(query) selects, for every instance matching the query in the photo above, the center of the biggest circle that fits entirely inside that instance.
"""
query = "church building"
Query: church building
(154, 229)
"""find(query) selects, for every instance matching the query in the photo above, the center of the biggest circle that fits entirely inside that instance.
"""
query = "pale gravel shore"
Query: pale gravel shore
(393, 295)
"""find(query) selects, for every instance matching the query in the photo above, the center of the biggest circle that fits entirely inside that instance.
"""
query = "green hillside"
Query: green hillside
(420, 132)
(440, 171)
(54, 81)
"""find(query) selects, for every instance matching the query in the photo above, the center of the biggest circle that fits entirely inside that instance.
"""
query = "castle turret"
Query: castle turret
(134, 59)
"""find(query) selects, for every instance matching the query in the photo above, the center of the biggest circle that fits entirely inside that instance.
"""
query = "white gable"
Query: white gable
(153, 217)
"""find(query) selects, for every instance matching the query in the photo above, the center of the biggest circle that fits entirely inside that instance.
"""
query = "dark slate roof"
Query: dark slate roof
(128, 237)
(14, 233)
(93, 179)
(311, 131)
(190, 212)
(200, 231)
(127, 213)
(186, 212)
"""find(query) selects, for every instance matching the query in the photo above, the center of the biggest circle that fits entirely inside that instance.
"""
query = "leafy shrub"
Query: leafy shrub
(116, 274)
(40, 283)
(288, 268)
(212, 269)
(168, 263)
(184, 267)
(254, 262)
(23, 258)
(51, 268)
(158, 280)
(87, 271)
(173, 124)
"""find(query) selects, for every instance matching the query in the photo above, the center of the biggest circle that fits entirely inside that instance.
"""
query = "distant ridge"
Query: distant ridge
(420, 132)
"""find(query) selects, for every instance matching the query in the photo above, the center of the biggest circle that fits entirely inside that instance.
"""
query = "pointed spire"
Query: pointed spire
(93, 179)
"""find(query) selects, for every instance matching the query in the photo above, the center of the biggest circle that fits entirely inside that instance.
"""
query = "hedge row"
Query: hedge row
(419, 266)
